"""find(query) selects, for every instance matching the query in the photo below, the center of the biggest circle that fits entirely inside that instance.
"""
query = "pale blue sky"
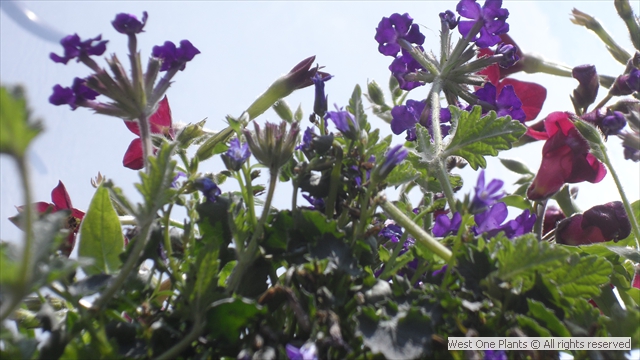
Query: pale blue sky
(245, 46)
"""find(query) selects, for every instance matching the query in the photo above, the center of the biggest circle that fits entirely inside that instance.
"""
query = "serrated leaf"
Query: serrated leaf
(402, 174)
(627, 253)
(155, 185)
(16, 132)
(101, 235)
(356, 107)
(540, 312)
(478, 136)
(581, 276)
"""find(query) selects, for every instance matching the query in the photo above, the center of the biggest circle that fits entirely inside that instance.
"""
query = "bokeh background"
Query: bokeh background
(244, 47)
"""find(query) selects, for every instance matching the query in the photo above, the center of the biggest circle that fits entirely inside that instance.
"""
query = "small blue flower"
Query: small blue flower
(236, 155)
(209, 189)
(486, 196)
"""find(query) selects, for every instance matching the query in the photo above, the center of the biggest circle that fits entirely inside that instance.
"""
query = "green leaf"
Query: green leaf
(356, 107)
(627, 253)
(478, 136)
(227, 318)
(15, 130)
(516, 166)
(297, 116)
(402, 174)
(101, 235)
(581, 276)
(546, 316)
(518, 202)
(155, 186)
(283, 110)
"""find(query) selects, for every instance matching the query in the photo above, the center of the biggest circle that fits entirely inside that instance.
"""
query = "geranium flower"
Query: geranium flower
(160, 123)
(60, 201)
(565, 158)
(599, 224)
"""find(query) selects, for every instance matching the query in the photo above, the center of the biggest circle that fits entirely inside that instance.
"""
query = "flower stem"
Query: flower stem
(538, 226)
(623, 196)
(336, 181)
(145, 138)
(421, 236)
(167, 244)
(443, 179)
(248, 188)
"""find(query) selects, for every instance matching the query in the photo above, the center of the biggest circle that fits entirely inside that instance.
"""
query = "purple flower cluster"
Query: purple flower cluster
(491, 17)
(75, 48)
(405, 118)
(396, 27)
(507, 103)
(74, 96)
(129, 24)
(403, 65)
(490, 222)
(175, 58)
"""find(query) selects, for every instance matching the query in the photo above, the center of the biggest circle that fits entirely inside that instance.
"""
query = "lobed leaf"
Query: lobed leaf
(16, 132)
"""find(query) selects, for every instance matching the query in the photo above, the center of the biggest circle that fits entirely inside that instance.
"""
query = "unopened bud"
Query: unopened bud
(585, 94)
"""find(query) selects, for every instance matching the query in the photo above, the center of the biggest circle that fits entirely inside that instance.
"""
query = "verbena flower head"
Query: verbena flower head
(175, 58)
(405, 118)
(60, 200)
(396, 27)
(490, 222)
(77, 95)
(236, 155)
(486, 196)
(403, 65)
(75, 48)
(209, 189)
(320, 101)
(444, 226)
(509, 53)
(449, 18)
(490, 15)
(345, 123)
(599, 224)
(507, 103)
(274, 145)
(129, 24)
(587, 91)
(565, 158)
(160, 123)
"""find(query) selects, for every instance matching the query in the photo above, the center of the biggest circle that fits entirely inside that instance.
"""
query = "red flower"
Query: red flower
(61, 201)
(599, 224)
(531, 95)
(565, 158)
(160, 123)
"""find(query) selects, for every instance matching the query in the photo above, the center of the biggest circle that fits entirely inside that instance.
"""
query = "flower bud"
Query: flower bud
(613, 123)
(509, 55)
(449, 19)
(392, 158)
(585, 94)
(552, 215)
(626, 84)
(375, 93)
(274, 146)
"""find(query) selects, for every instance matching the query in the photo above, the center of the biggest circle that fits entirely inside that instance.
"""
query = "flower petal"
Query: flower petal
(133, 156)
(60, 197)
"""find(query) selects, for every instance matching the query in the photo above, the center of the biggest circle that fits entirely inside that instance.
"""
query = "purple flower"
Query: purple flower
(626, 84)
(490, 222)
(392, 158)
(307, 138)
(74, 48)
(405, 117)
(631, 153)
(78, 94)
(392, 232)
(129, 24)
(180, 174)
(236, 155)
(509, 55)
(307, 351)
(403, 65)
(492, 19)
(586, 92)
(495, 355)
(345, 123)
(209, 189)
(316, 203)
(440, 271)
(320, 101)
(507, 102)
(486, 196)
(613, 123)
(175, 58)
(443, 225)
(449, 18)
(394, 28)
(356, 169)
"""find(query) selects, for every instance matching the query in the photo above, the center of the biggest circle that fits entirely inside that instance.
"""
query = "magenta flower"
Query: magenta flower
(129, 24)
(74, 48)
(492, 17)
(174, 58)
(565, 158)
(507, 103)
(599, 224)
(396, 27)
(77, 95)
(60, 200)
(160, 123)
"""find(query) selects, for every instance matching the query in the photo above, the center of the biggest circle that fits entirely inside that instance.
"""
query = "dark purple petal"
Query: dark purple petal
(236, 155)
(396, 27)
(74, 48)
(613, 123)
(449, 18)
(209, 189)
(187, 51)
(320, 100)
(491, 219)
(469, 9)
(81, 91)
(486, 196)
(392, 158)
(62, 96)
(129, 24)
(344, 122)
(509, 53)
(175, 58)
(587, 91)
(443, 225)
(599, 224)
(392, 232)
(487, 94)
(492, 17)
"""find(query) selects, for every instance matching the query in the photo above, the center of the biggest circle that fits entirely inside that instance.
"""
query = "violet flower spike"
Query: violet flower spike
(129, 24)
(490, 15)
(396, 27)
